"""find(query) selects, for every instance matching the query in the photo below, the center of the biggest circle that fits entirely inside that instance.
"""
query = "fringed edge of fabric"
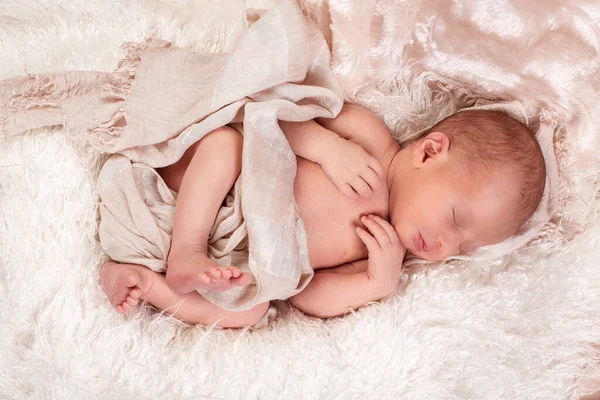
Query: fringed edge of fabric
(117, 88)
(123, 76)
(103, 134)
(35, 91)
(53, 91)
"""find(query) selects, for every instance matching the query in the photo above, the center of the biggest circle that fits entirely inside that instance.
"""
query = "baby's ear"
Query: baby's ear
(434, 146)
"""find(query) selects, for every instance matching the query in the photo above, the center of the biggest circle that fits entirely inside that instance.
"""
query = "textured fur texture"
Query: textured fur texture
(521, 327)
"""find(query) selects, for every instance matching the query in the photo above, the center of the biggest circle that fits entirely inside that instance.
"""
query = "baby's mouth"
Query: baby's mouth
(420, 244)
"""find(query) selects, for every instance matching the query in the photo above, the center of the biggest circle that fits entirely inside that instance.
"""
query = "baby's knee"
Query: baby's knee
(225, 137)
(223, 145)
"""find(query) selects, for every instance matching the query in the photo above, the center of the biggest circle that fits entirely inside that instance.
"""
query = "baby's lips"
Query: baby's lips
(420, 244)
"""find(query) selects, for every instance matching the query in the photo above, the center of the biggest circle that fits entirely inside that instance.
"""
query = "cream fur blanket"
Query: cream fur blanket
(524, 326)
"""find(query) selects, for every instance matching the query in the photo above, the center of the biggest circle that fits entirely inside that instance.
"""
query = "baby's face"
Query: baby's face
(444, 211)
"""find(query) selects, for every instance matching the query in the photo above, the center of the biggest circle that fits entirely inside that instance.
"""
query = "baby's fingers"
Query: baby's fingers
(375, 165)
(372, 179)
(361, 187)
(348, 191)
(388, 228)
(368, 240)
(376, 230)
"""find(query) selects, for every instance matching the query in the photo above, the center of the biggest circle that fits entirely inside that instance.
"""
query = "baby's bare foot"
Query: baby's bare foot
(193, 270)
(125, 284)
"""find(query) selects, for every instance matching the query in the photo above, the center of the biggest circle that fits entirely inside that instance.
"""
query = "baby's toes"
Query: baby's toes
(126, 306)
(242, 280)
(213, 272)
(120, 310)
(235, 272)
(226, 274)
(135, 293)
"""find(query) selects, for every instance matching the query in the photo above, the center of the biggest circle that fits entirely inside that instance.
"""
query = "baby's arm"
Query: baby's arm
(347, 165)
(333, 292)
(309, 140)
(360, 126)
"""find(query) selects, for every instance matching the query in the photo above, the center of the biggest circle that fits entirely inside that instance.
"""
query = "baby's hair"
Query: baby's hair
(482, 139)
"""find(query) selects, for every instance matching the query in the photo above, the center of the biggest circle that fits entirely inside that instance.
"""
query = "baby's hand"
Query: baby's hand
(351, 169)
(386, 253)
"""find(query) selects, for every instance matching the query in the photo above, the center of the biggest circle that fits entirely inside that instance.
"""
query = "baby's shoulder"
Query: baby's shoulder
(363, 127)
(359, 116)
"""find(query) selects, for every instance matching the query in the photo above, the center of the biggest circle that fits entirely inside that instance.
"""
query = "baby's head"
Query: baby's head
(471, 180)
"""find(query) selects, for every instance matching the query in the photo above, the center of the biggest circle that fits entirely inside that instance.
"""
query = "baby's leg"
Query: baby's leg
(126, 284)
(202, 178)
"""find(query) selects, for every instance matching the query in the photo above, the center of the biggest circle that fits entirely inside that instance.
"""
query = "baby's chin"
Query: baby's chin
(407, 239)
(428, 257)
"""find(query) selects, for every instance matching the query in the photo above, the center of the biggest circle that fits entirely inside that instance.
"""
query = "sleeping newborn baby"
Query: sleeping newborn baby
(471, 180)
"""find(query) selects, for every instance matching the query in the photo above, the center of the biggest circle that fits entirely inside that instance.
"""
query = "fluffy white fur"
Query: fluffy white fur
(522, 327)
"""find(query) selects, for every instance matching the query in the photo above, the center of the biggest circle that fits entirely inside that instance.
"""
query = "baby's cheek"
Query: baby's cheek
(396, 224)
(404, 237)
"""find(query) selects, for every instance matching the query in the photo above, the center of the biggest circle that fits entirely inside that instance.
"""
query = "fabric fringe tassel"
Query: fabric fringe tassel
(51, 91)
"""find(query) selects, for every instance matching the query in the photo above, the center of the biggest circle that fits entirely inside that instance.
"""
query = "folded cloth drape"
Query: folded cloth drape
(160, 101)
